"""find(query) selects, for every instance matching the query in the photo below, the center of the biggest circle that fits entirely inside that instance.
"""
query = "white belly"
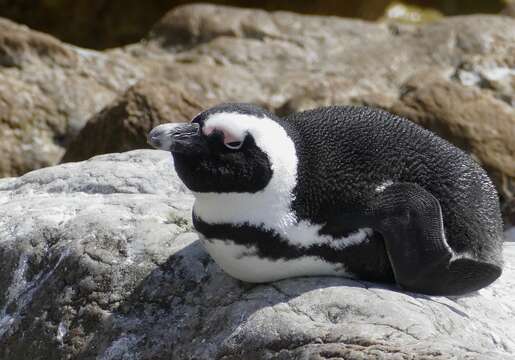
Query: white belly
(241, 263)
(269, 210)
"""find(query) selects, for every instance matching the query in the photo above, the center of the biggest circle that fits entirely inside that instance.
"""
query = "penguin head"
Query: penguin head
(230, 148)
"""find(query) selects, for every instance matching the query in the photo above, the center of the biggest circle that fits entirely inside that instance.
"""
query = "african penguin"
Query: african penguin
(350, 191)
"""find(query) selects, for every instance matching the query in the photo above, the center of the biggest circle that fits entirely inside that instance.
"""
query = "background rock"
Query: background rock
(124, 124)
(509, 10)
(97, 260)
(100, 23)
(47, 91)
(455, 76)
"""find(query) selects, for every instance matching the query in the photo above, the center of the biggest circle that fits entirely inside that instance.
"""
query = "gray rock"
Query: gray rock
(454, 76)
(203, 54)
(98, 260)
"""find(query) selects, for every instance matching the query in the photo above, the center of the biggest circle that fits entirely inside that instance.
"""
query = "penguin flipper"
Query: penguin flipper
(410, 220)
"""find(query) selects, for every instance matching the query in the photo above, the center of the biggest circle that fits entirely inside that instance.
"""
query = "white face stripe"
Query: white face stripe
(270, 205)
(269, 136)
(230, 135)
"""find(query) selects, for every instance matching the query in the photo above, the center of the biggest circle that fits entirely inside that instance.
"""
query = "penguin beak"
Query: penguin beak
(175, 137)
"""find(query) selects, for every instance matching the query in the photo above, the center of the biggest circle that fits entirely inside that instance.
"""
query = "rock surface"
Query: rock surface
(100, 24)
(47, 92)
(455, 76)
(124, 124)
(509, 9)
(98, 260)
(106, 24)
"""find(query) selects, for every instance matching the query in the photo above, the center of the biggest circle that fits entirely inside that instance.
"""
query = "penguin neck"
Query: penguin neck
(267, 208)
(270, 207)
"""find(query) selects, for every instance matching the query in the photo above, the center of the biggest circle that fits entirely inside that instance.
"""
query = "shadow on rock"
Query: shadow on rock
(188, 307)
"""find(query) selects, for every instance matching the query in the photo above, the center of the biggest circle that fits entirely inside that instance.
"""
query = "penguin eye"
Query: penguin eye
(232, 140)
(234, 145)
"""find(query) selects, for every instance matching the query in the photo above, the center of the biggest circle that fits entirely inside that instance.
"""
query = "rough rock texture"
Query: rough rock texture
(97, 260)
(124, 124)
(47, 91)
(455, 76)
(509, 10)
(100, 23)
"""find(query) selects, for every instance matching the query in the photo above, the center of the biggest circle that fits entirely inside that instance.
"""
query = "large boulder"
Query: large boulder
(198, 55)
(453, 76)
(48, 90)
(99, 24)
(106, 24)
(509, 9)
(98, 260)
